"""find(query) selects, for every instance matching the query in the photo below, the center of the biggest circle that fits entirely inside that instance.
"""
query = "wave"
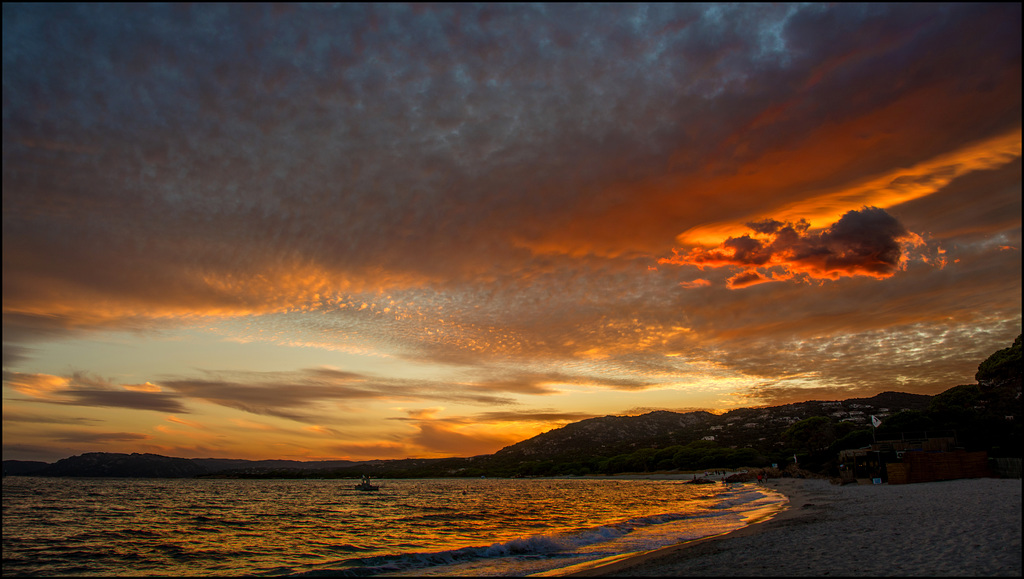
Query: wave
(738, 498)
(538, 546)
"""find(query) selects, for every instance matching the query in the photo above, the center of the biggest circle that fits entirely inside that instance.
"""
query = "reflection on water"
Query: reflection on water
(137, 527)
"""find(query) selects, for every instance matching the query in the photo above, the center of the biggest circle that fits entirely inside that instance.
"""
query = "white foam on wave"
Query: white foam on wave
(549, 551)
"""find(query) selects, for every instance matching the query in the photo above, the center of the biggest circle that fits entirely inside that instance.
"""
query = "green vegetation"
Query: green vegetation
(1002, 365)
(811, 434)
(697, 455)
(906, 421)
(855, 439)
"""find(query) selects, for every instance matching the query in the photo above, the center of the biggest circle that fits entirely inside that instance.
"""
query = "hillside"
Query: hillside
(610, 434)
(759, 429)
(984, 416)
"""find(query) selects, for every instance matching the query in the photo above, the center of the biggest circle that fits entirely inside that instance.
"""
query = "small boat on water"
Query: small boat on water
(365, 485)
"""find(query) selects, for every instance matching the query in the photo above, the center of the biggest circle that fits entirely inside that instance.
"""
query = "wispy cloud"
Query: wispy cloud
(35, 418)
(78, 437)
(297, 395)
(83, 389)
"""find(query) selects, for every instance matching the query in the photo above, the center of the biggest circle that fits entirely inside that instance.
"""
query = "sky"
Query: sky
(352, 231)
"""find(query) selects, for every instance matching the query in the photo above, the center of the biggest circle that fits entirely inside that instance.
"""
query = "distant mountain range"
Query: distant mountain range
(989, 411)
(608, 435)
(112, 464)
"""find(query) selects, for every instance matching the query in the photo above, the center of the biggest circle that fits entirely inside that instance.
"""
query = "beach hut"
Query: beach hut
(872, 462)
(918, 466)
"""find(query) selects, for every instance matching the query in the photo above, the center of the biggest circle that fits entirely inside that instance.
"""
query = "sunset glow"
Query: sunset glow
(384, 231)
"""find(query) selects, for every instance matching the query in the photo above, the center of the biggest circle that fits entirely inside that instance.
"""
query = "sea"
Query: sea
(311, 528)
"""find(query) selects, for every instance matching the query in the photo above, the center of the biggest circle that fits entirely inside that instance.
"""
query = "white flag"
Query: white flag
(875, 421)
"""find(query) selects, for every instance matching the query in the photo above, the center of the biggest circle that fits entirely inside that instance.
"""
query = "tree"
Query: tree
(906, 421)
(811, 434)
(855, 439)
(1002, 365)
(954, 408)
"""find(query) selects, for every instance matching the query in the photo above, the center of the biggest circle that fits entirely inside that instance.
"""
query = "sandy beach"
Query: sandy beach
(969, 527)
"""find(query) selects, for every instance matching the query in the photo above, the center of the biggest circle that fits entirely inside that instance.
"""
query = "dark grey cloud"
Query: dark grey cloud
(537, 382)
(295, 395)
(994, 208)
(26, 328)
(537, 415)
(154, 401)
(550, 416)
(41, 452)
(14, 355)
(98, 437)
(33, 418)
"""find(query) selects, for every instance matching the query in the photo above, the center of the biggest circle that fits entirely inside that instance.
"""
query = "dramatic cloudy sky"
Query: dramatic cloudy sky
(361, 231)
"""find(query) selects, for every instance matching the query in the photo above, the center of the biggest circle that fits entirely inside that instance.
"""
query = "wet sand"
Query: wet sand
(969, 527)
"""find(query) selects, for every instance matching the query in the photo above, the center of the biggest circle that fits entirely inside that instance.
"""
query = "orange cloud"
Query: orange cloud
(253, 425)
(891, 188)
(424, 413)
(189, 423)
(42, 386)
(695, 283)
(442, 439)
(374, 450)
(147, 387)
(323, 430)
(868, 242)
(82, 389)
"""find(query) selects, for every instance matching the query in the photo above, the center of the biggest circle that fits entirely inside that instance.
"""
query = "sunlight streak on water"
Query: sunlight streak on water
(140, 527)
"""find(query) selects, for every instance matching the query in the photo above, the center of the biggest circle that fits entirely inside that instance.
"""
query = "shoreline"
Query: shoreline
(880, 530)
(610, 566)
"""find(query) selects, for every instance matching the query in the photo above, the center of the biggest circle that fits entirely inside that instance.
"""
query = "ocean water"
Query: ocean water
(476, 527)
